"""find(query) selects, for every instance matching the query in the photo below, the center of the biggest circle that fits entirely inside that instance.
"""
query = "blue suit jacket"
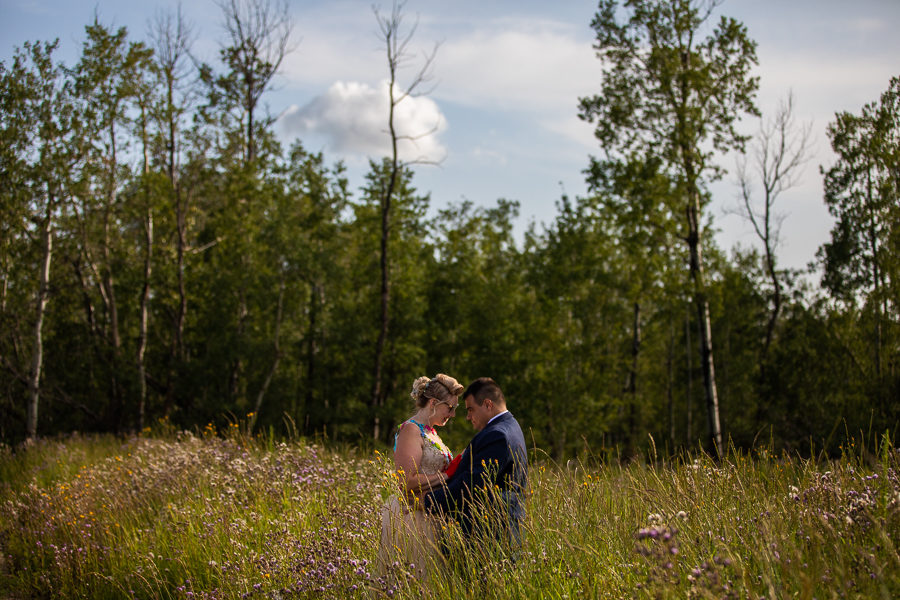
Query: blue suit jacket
(495, 456)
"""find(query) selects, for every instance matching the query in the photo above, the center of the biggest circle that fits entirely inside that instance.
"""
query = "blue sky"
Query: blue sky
(507, 77)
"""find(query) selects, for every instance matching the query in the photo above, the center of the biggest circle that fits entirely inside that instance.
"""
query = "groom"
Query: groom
(492, 472)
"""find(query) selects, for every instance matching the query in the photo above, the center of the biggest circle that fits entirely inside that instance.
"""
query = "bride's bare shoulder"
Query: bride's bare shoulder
(408, 434)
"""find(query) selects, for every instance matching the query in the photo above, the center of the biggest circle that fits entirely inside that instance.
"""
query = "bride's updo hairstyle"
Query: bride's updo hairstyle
(442, 388)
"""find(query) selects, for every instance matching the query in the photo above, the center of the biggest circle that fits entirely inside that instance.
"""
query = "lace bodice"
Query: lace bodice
(433, 460)
(435, 454)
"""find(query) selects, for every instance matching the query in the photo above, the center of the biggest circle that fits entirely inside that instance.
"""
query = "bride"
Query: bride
(408, 534)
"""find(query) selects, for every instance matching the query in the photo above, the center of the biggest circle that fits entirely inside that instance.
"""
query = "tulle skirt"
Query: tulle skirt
(409, 536)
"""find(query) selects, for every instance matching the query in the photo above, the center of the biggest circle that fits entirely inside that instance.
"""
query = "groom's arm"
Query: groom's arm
(448, 497)
(477, 469)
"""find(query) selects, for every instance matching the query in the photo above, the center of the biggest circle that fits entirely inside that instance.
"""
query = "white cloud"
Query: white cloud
(867, 25)
(352, 118)
(531, 66)
(523, 65)
(834, 81)
(489, 156)
(328, 54)
(574, 129)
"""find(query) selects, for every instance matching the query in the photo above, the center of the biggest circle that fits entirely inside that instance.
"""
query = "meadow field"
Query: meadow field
(217, 514)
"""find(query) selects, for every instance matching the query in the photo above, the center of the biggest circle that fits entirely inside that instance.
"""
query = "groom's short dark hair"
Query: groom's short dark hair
(483, 388)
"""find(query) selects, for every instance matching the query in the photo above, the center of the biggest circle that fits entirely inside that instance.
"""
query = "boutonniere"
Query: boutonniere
(454, 464)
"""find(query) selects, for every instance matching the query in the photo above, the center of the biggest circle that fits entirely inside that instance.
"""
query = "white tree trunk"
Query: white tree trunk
(145, 309)
(37, 354)
(709, 375)
(706, 350)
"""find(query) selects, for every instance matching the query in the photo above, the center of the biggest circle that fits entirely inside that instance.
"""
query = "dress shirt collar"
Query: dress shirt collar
(496, 416)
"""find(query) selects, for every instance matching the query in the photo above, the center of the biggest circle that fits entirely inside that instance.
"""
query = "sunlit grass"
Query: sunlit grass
(221, 515)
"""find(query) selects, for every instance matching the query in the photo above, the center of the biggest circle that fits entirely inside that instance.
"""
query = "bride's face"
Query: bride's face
(444, 410)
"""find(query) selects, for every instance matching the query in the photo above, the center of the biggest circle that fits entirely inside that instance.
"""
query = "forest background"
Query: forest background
(164, 257)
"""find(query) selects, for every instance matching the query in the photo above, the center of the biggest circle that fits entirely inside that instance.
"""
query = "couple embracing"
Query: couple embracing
(482, 488)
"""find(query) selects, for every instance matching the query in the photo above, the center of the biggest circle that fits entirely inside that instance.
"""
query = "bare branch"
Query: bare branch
(258, 30)
(172, 37)
(399, 55)
(259, 34)
(780, 149)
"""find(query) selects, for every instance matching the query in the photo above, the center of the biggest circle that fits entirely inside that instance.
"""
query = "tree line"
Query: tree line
(163, 256)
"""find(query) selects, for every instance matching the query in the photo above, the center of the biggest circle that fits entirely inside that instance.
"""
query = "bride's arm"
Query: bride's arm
(407, 457)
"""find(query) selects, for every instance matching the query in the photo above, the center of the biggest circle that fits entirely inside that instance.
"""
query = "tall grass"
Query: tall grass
(208, 515)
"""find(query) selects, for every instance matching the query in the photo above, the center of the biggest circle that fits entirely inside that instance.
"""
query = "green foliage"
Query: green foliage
(263, 281)
(861, 266)
(478, 314)
(357, 305)
(861, 192)
(668, 92)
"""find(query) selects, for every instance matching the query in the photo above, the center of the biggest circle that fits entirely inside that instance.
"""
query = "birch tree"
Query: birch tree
(41, 147)
(672, 94)
(172, 37)
(106, 81)
(862, 192)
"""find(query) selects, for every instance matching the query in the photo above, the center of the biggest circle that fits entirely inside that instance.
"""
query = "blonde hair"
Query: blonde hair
(440, 387)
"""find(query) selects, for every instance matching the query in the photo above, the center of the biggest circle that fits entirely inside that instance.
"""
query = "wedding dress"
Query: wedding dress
(409, 535)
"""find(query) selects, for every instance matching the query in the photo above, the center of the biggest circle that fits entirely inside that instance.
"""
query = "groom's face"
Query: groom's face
(478, 416)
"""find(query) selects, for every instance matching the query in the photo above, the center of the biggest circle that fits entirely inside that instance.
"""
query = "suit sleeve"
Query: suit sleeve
(478, 468)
